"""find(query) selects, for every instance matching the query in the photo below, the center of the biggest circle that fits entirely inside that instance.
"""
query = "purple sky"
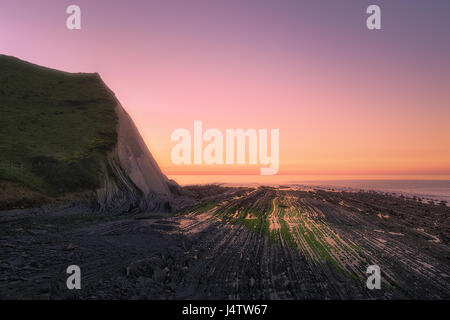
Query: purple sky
(309, 68)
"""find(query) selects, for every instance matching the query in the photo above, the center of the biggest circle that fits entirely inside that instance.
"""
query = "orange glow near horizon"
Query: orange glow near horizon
(347, 101)
(338, 133)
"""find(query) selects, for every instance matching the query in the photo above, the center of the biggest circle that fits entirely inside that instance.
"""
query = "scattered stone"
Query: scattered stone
(252, 282)
(70, 247)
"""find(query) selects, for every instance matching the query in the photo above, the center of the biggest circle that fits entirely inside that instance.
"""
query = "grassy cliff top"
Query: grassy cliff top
(54, 127)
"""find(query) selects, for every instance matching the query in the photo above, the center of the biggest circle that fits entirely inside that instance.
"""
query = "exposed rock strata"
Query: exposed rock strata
(131, 176)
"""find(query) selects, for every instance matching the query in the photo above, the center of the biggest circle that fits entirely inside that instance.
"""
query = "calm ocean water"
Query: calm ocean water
(431, 189)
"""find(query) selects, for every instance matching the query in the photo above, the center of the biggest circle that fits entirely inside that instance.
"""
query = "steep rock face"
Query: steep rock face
(132, 178)
(65, 139)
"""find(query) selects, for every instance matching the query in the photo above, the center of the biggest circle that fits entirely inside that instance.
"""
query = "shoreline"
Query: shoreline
(279, 243)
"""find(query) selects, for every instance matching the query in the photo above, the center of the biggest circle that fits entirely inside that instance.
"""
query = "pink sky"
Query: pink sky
(346, 100)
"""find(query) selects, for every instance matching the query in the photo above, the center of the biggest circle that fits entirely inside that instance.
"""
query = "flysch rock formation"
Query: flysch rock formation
(129, 179)
(132, 178)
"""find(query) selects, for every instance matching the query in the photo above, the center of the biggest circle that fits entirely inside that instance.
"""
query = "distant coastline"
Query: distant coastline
(437, 190)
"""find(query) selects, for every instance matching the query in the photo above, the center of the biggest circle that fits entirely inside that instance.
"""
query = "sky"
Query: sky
(347, 101)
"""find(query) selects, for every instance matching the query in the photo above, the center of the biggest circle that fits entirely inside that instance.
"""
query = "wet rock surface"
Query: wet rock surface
(246, 243)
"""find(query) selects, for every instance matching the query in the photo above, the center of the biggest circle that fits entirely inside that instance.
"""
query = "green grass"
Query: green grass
(260, 224)
(206, 207)
(54, 127)
(259, 218)
(196, 210)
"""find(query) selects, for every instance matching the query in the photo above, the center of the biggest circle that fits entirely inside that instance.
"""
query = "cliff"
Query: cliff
(65, 137)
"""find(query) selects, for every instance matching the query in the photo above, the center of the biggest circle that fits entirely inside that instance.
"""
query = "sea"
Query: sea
(427, 189)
